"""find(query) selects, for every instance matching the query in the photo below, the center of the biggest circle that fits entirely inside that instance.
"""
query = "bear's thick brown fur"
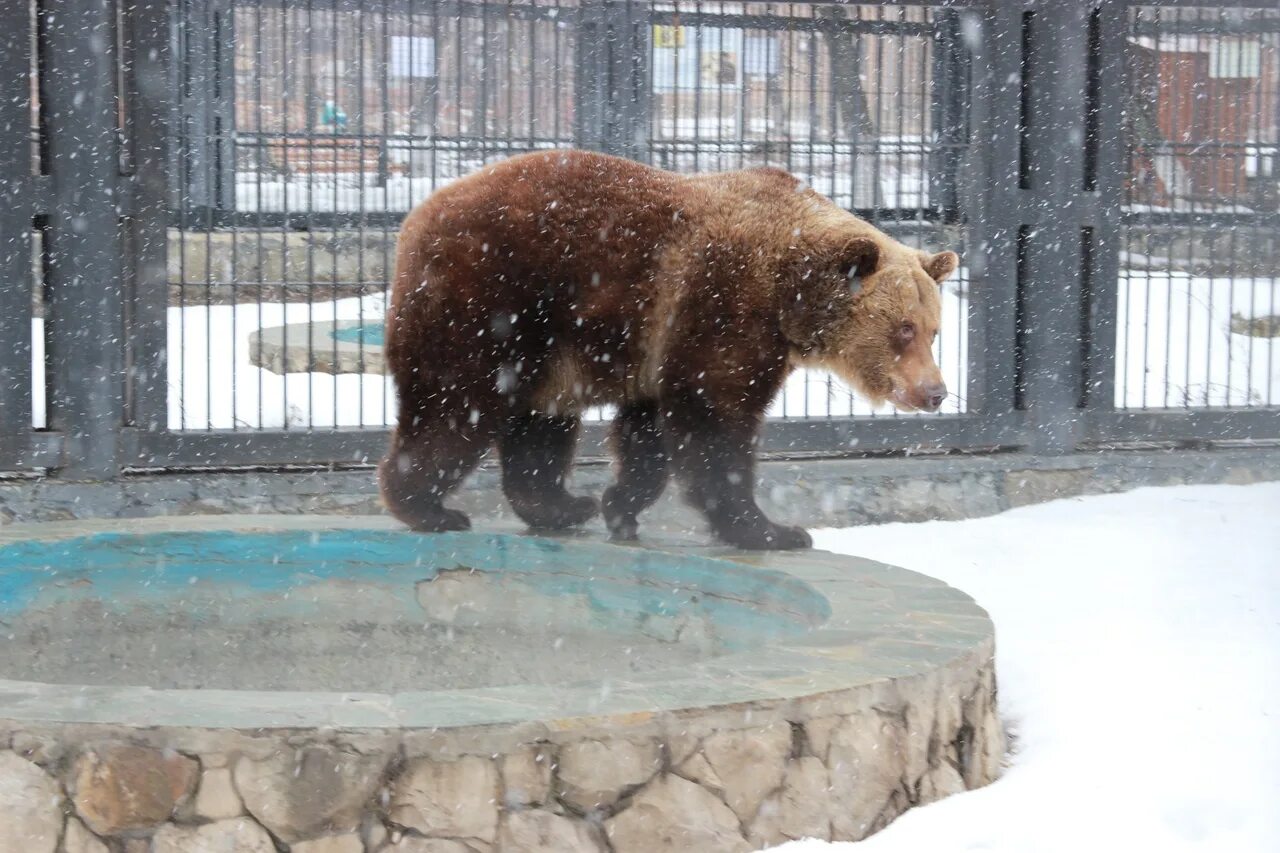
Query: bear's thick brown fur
(562, 279)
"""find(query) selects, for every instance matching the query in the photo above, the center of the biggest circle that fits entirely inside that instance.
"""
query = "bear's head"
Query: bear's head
(870, 309)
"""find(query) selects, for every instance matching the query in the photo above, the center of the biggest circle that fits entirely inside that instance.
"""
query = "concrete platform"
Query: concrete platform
(776, 696)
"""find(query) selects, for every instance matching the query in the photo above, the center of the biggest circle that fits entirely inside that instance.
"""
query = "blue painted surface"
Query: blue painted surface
(370, 334)
(630, 583)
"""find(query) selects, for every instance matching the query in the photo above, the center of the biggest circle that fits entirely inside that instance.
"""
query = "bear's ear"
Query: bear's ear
(859, 258)
(939, 266)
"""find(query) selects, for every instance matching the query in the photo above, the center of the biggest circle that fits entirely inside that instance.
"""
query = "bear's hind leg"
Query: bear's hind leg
(537, 453)
(642, 468)
(424, 466)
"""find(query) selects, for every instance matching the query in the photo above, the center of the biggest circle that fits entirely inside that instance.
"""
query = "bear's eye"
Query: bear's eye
(907, 332)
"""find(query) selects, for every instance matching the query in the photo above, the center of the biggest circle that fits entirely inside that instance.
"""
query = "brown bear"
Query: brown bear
(563, 279)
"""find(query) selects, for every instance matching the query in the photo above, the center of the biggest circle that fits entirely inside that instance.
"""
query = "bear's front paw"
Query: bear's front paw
(440, 520)
(771, 537)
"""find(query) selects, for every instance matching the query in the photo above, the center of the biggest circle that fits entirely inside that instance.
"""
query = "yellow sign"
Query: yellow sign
(665, 36)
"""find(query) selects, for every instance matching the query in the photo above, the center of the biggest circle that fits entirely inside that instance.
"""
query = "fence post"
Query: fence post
(148, 94)
(16, 208)
(950, 73)
(992, 201)
(204, 96)
(1056, 214)
(612, 75)
(85, 327)
(591, 76)
(628, 112)
(1109, 28)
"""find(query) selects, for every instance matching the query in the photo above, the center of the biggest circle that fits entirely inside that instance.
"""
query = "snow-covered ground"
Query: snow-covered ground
(1174, 349)
(213, 383)
(1138, 653)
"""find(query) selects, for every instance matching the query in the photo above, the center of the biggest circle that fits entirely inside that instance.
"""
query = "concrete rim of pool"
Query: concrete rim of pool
(848, 635)
(862, 687)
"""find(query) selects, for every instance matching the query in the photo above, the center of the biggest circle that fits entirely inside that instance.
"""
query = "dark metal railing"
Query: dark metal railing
(202, 205)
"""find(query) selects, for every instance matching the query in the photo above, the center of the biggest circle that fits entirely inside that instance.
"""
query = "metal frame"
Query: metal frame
(1101, 423)
(19, 204)
(1042, 342)
(84, 279)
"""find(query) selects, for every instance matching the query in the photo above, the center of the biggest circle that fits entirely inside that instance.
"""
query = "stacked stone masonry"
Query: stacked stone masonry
(743, 779)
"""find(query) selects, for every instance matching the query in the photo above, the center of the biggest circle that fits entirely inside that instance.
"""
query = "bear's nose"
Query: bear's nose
(934, 395)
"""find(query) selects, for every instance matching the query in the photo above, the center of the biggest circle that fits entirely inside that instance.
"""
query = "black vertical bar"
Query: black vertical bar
(362, 278)
(590, 76)
(200, 148)
(1026, 104)
(16, 213)
(84, 284)
(991, 198)
(182, 187)
(146, 274)
(486, 56)
(224, 103)
(699, 33)
(632, 70)
(260, 167)
(950, 74)
(210, 169)
(1110, 162)
(534, 71)
(557, 76)
(225, 192)
(509, 41)
(434, 93)
(1054, 119)
(1088, 310)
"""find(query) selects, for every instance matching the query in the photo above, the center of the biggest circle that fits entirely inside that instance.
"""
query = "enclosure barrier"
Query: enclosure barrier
(200, 197)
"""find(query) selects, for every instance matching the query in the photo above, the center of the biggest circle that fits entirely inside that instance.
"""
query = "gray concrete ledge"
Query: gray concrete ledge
(813, 492)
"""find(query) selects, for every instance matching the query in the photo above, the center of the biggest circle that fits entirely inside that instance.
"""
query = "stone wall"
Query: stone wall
(814, 492)
(278, 265)
(281, 265)
(828, 767)
(275, 265)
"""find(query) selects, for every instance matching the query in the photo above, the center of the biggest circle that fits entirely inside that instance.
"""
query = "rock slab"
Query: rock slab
(30, 806)
(120, 789)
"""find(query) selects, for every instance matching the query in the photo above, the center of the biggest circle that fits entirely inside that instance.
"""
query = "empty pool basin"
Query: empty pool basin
(280, 680)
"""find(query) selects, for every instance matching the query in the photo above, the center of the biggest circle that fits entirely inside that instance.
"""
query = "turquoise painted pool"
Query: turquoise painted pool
(371, 334)
(744, 604)
(280, 624)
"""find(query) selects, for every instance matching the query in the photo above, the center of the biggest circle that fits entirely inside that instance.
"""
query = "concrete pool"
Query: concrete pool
(290, 680)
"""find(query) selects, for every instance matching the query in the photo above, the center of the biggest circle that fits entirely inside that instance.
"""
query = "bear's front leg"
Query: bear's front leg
(713, 455)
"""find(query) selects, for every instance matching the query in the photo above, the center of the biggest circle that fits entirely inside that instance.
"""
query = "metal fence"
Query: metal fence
(201, 199)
